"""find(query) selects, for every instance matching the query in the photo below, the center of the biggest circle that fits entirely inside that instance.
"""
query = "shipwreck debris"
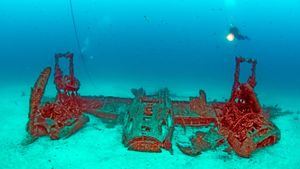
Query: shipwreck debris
(148, 124)
(241, 120)
(65, 115)
(240, 123)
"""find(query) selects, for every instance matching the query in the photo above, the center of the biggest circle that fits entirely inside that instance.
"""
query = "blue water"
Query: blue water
(165, 43)
(180, 39)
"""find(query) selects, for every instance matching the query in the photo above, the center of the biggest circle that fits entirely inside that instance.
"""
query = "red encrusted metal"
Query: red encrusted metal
(241, 120)
(202, 141)
(148, 124)
(149, 120)
(65, 83)
(37, 124)
(195, 112)
(65, 115)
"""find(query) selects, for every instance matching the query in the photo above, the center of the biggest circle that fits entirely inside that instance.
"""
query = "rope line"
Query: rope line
(78, 44)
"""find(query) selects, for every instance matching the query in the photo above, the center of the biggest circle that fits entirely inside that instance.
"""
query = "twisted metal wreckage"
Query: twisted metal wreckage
(240, 123)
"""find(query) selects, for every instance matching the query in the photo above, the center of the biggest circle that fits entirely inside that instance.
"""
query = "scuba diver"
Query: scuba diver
(235, 33)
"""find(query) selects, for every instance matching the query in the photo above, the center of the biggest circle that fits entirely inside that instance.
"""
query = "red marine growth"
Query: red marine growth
(149, 120)
(241, 120)
(148, 124)
(65, 115)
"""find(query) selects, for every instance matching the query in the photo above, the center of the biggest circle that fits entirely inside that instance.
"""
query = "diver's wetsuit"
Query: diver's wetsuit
(235, 31)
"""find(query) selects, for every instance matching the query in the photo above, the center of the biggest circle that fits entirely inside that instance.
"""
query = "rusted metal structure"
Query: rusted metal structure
(65, 115)
(239, 122)
(149, 120)
(148, 124)
(196, 112)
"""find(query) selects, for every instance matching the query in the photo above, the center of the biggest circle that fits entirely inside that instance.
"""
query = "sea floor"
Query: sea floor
(96, 146)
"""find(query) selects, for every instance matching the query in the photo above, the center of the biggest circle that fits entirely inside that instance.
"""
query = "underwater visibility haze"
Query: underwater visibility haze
(125, 54)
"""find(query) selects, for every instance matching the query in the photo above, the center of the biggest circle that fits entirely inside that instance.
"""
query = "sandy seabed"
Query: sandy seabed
(96, 146)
